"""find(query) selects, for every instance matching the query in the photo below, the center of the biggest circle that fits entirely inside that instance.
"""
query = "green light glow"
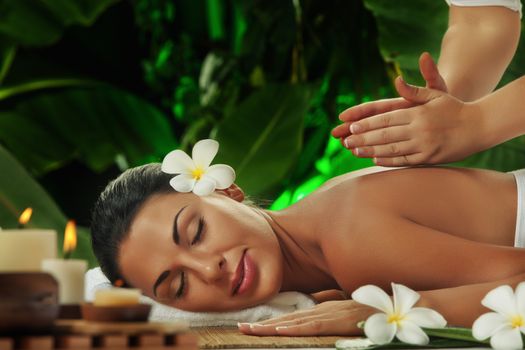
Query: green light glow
(282, 201)
(332, 147)
(307, 187)
(215, 25)
(240, 28)
(323, 166)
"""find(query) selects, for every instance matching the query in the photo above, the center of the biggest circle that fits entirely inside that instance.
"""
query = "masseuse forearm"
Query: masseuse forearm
(447, 301)
(501, 114)
(477, 48)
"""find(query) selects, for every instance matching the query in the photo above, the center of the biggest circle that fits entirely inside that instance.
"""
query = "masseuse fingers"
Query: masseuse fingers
(380, 121)
(372, 108)
(379, 137)
(390, 150)
(411, 159)
(342, 130)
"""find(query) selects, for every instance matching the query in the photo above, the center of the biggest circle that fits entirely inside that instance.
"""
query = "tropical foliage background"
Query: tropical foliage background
(90, 88)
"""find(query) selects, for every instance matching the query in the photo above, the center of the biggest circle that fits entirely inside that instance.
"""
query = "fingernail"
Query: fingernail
(358, 152)
(242, 324)
(279, 328)
(253, 325)
(355, 128)
(348, 143)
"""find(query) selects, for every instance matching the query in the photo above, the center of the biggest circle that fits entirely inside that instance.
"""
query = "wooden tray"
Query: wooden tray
(130, 328)
(80, 334)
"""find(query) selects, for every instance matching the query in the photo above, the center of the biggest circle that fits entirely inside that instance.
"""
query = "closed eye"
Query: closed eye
(182, 285)
(200, 230)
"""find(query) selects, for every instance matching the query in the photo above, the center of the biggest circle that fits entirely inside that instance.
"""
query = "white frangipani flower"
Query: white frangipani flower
(505, 325)
(399, 318)
(195, 173)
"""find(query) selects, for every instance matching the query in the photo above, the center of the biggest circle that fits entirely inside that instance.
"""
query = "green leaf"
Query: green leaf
(408, 29)
(7, 55)
(357, 344)
(18, 190)
(453, 333)
(93, 125)
(261, 139)
(36, 85)
(449, 337)
(516, 68)
(40, 23)
(505, 157)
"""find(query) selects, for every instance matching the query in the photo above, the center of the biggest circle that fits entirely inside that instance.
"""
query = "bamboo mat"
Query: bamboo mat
(231, 338)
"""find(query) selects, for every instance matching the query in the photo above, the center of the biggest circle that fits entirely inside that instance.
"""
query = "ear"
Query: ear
(234, 192)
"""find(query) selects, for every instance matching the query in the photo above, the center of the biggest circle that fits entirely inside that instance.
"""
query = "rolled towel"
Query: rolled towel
(281, 304)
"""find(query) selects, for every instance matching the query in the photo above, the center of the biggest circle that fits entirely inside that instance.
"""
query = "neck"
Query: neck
(304, 266)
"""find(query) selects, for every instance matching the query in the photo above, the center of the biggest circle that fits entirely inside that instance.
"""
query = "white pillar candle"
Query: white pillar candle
(70, 276)
(24, 249)
(117, 297)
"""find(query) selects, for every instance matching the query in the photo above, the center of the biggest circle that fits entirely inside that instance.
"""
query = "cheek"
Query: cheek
(270, 265)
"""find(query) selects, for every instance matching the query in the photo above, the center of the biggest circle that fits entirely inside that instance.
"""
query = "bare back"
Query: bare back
(430, 227)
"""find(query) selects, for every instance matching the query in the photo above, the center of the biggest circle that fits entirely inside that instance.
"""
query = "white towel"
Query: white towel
(283, 303)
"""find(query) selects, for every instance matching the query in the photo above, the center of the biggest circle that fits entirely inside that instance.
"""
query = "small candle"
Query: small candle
(68, 272)
(24, 249)
(117, 297)
(70, 277)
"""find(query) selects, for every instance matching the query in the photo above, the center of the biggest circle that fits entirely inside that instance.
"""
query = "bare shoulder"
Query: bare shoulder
(354, 175)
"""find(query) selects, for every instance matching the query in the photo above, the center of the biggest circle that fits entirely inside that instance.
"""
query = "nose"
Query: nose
(208, 266)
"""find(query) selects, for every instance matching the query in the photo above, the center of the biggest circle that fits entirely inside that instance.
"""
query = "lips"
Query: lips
(244, 275)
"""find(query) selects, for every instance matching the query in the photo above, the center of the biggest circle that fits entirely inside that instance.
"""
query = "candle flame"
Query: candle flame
(70, 237)
(26, 215)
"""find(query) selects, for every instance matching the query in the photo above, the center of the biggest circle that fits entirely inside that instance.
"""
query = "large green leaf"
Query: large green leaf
(18, 190)
(93, 125)
(505, 157)
(517, 66)
(407, 29)
(440, 338)
(39, 23)
(261, 139)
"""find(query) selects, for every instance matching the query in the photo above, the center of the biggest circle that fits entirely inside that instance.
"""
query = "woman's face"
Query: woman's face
(201, 253)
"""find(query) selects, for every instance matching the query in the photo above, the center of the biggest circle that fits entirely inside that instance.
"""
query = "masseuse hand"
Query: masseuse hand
(328, 318)
(434, 80)
(424, 126)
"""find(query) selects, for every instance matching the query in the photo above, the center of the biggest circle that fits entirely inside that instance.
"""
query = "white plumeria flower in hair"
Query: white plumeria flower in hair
(195, 173)
(505, 325)
(398, 319)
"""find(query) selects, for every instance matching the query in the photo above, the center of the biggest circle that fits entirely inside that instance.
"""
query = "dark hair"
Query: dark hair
(116, 208)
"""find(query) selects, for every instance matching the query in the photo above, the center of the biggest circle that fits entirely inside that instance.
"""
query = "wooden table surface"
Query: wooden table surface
(231, 338)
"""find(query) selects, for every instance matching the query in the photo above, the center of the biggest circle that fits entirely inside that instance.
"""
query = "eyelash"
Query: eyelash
(200, 230)
(180, 291)
(196, 239)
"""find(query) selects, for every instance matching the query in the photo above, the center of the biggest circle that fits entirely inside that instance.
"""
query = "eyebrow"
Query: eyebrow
(176, 236)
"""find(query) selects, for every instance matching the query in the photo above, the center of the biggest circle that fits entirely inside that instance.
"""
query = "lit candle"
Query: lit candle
(116, 297)
(68, 272)
(24, 249)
